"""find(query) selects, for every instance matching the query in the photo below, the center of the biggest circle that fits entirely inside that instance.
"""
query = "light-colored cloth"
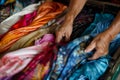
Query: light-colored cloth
(7, 23)
(17, 60)
(29, 39)
(46, 12)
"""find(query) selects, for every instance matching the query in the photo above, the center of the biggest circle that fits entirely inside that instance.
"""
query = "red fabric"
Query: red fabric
(46, 12)
(44, 58)
(25, 21)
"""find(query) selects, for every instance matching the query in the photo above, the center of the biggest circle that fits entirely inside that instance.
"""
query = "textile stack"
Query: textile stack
(28, 50)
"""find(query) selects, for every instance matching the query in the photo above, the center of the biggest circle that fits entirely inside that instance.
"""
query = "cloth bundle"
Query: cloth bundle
(28, 40)
(46, 12)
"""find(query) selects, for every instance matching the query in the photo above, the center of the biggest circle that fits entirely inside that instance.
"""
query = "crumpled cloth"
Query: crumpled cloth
(25, 21)
(72, 61)
(46, 12)
(29, 39)
(41, 63)
(17, 60)
(10, 21)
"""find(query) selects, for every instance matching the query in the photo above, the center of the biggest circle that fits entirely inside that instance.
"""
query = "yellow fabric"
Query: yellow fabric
(9, 1)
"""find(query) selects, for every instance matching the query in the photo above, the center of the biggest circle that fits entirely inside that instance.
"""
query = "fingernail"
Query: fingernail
(86, 51)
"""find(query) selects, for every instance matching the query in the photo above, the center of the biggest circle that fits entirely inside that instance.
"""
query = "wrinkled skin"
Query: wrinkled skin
(101, 44)
(64, 32)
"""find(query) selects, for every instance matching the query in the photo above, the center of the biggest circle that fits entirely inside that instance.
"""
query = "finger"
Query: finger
(67, 37)
(96, 55)
(58, 37)
(91, 46)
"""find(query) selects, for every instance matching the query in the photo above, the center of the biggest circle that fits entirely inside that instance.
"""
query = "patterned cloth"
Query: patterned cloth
(72, 56)
(10, 21)
(46, 12)
(17, 60)
(40, 64)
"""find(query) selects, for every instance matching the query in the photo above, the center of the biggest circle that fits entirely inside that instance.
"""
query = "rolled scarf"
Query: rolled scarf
(17, 60)
(46, 12)
(72, 55)
(25, 21)
(29, 39)
(10, 21)
(40, 64)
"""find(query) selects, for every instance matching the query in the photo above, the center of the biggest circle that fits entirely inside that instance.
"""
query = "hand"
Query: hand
(64, 31)
(101, 44)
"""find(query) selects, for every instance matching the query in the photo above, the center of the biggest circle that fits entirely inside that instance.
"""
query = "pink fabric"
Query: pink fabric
(25, 21)
(17, 60)
(40, 64)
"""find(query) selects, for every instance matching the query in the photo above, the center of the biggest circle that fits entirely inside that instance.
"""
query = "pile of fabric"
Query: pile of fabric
(28, 50)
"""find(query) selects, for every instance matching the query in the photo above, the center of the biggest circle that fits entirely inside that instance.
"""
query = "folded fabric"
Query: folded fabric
(25, 21)
(10, 21)
(46, 12)
(40, 64)
(73, 54)
(98, 18)
(17, 60)
(29, 39)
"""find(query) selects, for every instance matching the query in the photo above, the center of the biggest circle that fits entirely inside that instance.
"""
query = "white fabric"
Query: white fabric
(7, 23)
(17, 60)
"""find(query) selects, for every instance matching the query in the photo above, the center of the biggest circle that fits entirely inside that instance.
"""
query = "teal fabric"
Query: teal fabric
(2, 2)
(72, 63)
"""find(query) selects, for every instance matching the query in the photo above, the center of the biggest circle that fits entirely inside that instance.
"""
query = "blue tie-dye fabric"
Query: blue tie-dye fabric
(71, 56)
(99, 20)
(2, 2)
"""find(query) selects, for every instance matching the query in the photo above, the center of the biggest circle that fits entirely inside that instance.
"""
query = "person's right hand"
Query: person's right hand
(64, 31)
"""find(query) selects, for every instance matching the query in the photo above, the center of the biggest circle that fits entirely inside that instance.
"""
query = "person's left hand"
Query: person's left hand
(101, 44)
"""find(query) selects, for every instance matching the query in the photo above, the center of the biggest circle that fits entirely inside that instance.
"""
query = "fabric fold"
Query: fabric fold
(46, 12)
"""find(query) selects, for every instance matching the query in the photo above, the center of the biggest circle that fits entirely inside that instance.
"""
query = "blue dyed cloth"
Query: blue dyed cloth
(99, 20)
(72, 61)
(2, 2)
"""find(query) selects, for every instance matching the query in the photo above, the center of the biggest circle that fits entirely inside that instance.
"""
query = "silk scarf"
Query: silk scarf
(46, 12)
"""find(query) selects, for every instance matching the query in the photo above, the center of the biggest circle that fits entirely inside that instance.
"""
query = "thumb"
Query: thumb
(91, 46)
(58, 37)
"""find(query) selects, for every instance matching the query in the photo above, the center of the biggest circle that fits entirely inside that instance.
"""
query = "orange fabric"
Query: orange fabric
(46, 12)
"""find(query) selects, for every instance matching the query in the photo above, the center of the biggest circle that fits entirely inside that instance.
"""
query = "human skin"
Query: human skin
(100, 42)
